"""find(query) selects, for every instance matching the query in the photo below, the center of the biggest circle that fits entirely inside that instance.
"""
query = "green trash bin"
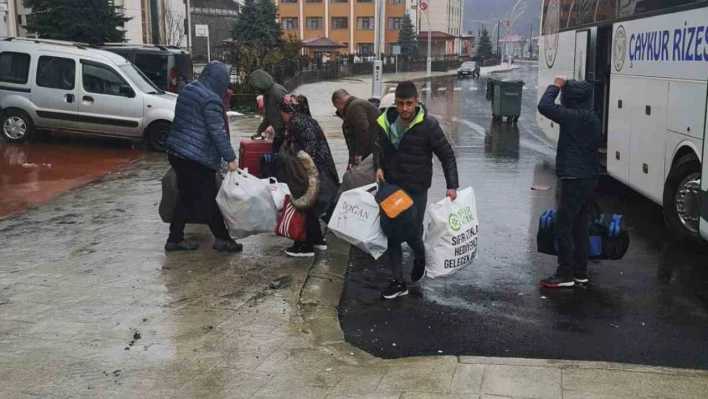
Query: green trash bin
(506, 96)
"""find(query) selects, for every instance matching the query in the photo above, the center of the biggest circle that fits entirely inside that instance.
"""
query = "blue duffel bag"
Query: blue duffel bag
(609, 239)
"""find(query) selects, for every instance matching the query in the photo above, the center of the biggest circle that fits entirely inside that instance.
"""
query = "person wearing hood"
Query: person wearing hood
(304, 133)
(273, 94)
(403, 155)
(577, 167)
(195, 146)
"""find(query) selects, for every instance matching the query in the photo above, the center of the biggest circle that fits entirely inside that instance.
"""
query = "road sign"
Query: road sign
(201, 30)
(423, 5)
(396, 50)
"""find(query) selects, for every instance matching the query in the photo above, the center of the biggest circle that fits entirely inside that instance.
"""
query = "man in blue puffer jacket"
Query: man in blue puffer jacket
(577, 166)
(195, 146)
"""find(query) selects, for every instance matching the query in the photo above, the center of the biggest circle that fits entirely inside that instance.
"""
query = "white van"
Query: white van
(39, 89)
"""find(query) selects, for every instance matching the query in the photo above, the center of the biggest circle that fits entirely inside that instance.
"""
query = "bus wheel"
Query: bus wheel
(682, 198)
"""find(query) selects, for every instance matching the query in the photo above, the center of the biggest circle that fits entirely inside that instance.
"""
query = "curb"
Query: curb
(317, 308)
(319, 299)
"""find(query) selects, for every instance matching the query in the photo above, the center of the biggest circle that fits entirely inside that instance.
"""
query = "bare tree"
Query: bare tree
(172, 32)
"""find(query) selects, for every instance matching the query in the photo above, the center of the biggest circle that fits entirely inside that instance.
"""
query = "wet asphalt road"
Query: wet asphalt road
(649, 308)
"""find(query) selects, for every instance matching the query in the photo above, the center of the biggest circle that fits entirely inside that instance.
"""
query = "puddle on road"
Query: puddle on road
(34, 173)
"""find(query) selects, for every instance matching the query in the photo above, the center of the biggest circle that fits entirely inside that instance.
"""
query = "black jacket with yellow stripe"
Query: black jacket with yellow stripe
(410, 166)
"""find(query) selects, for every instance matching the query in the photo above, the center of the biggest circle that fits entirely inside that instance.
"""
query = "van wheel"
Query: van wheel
(157, 136)
(17, 126)
(682, 198)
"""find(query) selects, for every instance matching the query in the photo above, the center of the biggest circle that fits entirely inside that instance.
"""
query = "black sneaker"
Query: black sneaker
(580, 278)
(556, 281)
(227, 246)
(394, 290)
(321, 246)
(300, 250)
(418, 271)
(183, 245)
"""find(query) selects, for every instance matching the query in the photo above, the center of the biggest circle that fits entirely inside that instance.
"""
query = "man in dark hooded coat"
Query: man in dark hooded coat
(577, 167)
(195, 146)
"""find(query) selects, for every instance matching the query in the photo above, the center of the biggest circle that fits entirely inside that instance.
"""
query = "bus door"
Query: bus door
(582, 47)
(599, 70)
(704, 187)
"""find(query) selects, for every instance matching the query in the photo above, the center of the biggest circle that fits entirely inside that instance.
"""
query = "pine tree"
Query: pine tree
(89, 21)
(273, 30)
(248, 28)
(484, 47)
(408, 38)
(257, 26)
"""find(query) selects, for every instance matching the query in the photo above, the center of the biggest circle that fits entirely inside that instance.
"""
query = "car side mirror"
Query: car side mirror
(127, 91)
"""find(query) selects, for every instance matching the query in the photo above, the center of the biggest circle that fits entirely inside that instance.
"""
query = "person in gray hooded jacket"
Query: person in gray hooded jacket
(195, 146)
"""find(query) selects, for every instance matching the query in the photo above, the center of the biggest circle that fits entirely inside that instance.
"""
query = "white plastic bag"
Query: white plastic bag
(451, 229)
(247, 205)
(278, 191)
(356, 220)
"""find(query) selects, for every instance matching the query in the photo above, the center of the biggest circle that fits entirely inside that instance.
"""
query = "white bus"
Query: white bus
(648, 60)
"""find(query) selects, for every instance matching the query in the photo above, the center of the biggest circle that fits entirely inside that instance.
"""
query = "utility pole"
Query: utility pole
(189, 28)
(498, 50)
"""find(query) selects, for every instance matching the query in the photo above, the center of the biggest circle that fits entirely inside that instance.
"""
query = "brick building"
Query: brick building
(351, 23)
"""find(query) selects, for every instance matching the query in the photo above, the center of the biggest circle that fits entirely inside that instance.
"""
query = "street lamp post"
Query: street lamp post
(428, 60)
(376, 81)
(511, 22)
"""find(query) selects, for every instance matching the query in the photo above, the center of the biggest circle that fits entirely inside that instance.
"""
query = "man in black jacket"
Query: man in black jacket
(403, 155)
(358, 116)
(577, 166)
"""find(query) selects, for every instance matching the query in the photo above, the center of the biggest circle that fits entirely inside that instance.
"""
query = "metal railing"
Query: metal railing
(294, 73)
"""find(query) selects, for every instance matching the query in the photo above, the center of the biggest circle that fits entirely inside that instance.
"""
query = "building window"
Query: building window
(339, 23)
(14, 67)
(365, 1)
(365, 48)
(289, 23)
(396, 1)
(394, 23)
(288, 1)
(340, 1)
(365, 23)
(314, 23)
(314, 1)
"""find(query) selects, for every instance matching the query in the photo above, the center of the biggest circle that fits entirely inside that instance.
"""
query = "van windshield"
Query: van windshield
(144, 84)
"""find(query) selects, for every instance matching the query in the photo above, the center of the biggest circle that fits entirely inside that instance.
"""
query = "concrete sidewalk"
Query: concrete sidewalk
(92, 307)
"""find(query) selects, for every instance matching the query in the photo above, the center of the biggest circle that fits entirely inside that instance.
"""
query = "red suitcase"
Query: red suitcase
(250, 153)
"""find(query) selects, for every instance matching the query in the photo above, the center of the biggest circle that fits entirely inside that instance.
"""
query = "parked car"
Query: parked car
(468, 68)
(39, 89)
(168, 67)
